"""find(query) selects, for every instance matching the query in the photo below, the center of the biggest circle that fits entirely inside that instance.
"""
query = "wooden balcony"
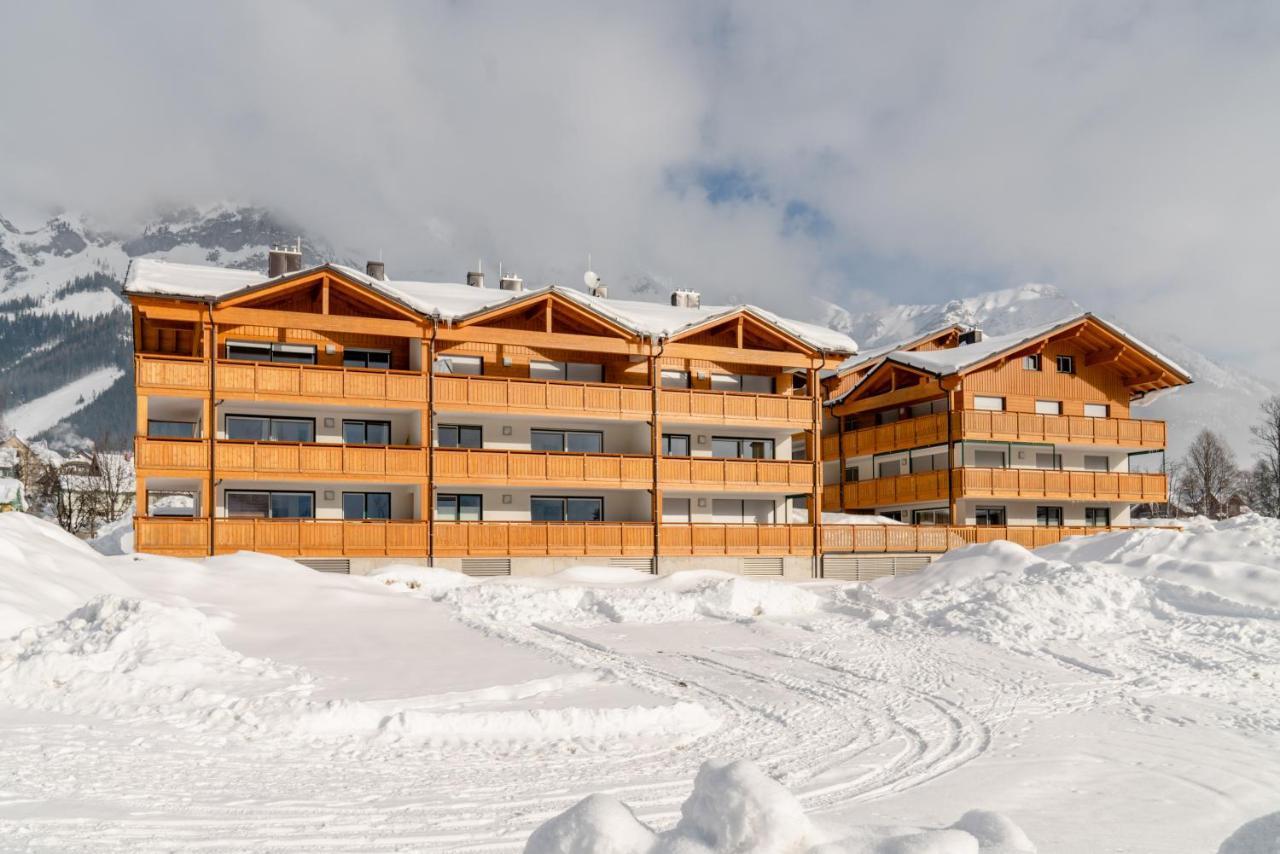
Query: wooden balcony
(280, 382)
(286, 537)
(712, 539)
(542, 397)
(727, 407)
(908, 539)
(975, 425)
(728, 474)
(538, 539)
(493, 467)
(272, 460)
(999, 483)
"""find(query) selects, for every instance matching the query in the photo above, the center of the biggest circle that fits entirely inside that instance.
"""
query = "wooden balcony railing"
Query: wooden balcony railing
(537, 539)
(975, 425)
(728, 407)
(941, 538)
(998, 483)
(259, 460)
(713, 539)
(503, 468)
(288, 537)
(718, 473)
(276, 381)
(541, 397)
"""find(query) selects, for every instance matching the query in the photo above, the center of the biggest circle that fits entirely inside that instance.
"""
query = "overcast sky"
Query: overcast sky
(868, 153)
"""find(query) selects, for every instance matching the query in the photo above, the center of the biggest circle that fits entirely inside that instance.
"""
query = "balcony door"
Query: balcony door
(545, 508)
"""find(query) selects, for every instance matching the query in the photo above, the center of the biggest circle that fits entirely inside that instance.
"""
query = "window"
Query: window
(727, 447)
(366, 505)
(675, 379)
(267, 351)
(470, 365)
(889, 468)
(989, 516)
(171, 504)
(850, 423)
(459, 508)
(271, 505)
(171, 429)
(675, 510)
(1048, 407)
(1097, 517)
(1097, 410)
(851, 474)
(1048, 461)
(797, 508)
(749, 511)
(989, 459)
(459, 436)
(889, 416)
(575, 371)
(799, 448)
(929, 460)
(895, 515)
(1066, 364)
(361, 432)
(755, 383)
(931, 516)
(577, 441)
(259, 428)
(353, 357)
(931, 407)
(1031, 363)
(1097, 463)
(548, 509)
(989, 404)
(675, 445)
(1049, 516)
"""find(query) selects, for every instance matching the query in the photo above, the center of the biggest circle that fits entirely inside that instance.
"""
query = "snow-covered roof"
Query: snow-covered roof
(454, 302)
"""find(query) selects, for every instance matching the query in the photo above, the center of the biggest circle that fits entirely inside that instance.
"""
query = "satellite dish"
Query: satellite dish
(591, 279)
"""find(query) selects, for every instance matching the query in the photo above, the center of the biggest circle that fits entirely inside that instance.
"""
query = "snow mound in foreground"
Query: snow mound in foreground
(736, 808)
(590, 595)
(1260, 836)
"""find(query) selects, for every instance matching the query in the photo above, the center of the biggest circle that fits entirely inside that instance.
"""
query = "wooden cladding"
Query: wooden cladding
(975, 425)
(711, 539)
(715, 473)
(940, 538)
(931, 486)
(502, 468)
(720, 407)
(266, 460)
(537, 539)
(272, 381)
(508, 394)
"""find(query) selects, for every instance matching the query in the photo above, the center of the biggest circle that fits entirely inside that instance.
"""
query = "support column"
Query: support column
(655, 451)
(815, 453)
(139, 435)
(428, 428)
(211, 426)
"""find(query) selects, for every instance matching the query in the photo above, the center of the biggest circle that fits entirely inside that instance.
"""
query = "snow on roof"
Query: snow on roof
(452, 302)
(866, 357)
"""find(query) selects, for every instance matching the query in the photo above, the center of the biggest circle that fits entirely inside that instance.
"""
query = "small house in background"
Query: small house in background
(12, 495)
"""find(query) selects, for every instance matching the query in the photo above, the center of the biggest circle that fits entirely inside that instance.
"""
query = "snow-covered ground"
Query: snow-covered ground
(1115, 693)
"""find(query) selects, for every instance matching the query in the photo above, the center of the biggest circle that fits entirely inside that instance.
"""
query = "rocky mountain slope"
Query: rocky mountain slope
(1222, 398)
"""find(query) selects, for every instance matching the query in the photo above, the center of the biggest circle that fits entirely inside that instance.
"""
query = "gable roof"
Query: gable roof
(451, 302)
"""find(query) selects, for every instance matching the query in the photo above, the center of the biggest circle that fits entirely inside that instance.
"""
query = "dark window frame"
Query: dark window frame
(773, 447)
(152, 434)
(227, 493)
(367, 352)
(365, 422)
(564, 439)
(458, 428)
(1046, 512)
(1068, 360)
(272, 348)
(1091, 514)
(269, 418)
(365, 505)
(457, 497)
(1032, 362)
(915, 515)
(564, 506)
(666, 444)
(982, 515)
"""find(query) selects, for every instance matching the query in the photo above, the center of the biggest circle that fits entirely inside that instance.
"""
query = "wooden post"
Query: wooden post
(211, 422)
(428, 428)
(815, 453)
(655, 451)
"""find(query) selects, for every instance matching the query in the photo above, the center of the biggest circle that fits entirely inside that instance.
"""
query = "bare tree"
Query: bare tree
(1266, 475)
(1208, 476)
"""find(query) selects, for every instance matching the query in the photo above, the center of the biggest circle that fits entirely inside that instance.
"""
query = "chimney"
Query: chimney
(511, 282)
(282, 260)
(973, 336)
(686, 299)
(376, 270)
(475, 280)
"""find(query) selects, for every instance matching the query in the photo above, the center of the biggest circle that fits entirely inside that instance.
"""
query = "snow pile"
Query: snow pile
(1260, 836)
(115, 538)
(590, 595)
(736, 808)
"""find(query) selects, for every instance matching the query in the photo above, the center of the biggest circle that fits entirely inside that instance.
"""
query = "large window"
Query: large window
(459, 508)
(263, 504)
(366, 505)
(930, 407)
(1097, 410)
(353, 357)
(1097, 517)
(890, 468)
(267, 351)
(729, 447)
(932, 459)
(263, 428)
(1097, 462)
(361, 432)
(755, 383)
(587, 372)
(988, 403)
(1048, 407)
(931, 516)
(577, 441)
(987, 459)
(675, 445)
(675, 510)
(544, 508)
(990, 516)
(675, 379)
(460, 436)
(742, 511)
(1048, 461)
(171, 429)
(1050, 516)
(471, 365)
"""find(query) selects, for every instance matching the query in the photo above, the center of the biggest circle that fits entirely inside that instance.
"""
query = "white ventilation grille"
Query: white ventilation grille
(640, 564)
(486, 567)
(327, 564)
(870, 567)
(762, 566)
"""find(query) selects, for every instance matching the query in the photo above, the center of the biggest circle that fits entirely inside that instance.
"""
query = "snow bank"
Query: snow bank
(115, 538)
(1260, 836)
(735, 808)
(590, 595)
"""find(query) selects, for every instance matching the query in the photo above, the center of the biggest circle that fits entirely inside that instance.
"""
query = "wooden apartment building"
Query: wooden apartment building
(349, 420)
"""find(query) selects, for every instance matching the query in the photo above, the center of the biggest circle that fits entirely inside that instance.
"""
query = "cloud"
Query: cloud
(861, 152)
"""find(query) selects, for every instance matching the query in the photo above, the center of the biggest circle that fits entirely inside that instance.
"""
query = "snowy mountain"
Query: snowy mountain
(66, 370)
(1222, 398)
